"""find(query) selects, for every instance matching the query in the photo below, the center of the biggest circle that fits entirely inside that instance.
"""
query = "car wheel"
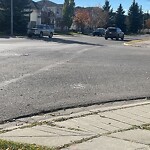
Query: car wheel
(51, 35)
(117, 38)
(41, 34)
(112, 38)
(106, 38)
(122, 38)
(29, 35)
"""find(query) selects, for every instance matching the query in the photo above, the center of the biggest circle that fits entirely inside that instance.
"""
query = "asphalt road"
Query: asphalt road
(44, 75)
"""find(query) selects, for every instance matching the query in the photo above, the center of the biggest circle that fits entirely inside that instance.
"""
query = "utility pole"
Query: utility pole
(12, 32)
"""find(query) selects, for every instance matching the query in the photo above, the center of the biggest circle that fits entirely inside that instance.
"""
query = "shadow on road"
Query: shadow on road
(5, 37)
(65, 41)
(68, 41)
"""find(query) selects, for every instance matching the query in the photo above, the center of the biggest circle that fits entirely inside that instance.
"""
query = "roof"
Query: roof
(48, 3)
(34, 5)
(40, 4)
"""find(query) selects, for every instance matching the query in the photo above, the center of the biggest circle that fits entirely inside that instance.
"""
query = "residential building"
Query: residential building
(35, 16)
(46, 12)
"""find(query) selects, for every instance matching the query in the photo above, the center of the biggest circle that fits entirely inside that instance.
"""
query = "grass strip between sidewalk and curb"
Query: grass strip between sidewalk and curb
(8, 145)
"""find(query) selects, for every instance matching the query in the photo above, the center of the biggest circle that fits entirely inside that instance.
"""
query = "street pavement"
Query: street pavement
(44, 75)
(125, 127)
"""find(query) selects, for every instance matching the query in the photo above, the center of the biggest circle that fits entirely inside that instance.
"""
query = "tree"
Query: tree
(146, 16)
(111, 16)
(98, 17)
(68, 12)
(120, 18)
(135, 15)
(141, 18)
(148, 23)
(107, 6)
(21, 11)
(82, 19)
(47, 17)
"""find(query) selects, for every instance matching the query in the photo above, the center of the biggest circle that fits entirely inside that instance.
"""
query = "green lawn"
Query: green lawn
(7, 145)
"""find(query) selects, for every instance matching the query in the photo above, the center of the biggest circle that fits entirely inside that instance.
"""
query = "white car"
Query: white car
(41, 30)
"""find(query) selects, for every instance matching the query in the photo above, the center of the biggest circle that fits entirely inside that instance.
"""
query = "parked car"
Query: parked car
(41, 30)
(99, 32)
(113, 32)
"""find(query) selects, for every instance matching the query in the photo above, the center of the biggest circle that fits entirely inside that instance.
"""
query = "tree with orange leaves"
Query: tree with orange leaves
(148, 24)
(82, 19)
(99, 17)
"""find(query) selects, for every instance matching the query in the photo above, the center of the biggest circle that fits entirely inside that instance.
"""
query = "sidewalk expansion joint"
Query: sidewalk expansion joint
(143, 126)
(115, 120)
(94, 137)
(52, 121)
(60, 119)
(128, 140)
(105, 114)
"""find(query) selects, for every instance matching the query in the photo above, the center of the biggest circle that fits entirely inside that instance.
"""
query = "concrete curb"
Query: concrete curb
(87, 128)
(133, 42)
(20, 123)
(95, 111)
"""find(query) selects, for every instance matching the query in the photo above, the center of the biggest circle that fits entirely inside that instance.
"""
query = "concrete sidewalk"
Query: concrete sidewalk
(125, 127)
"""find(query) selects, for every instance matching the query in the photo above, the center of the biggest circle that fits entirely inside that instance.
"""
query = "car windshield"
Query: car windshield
(97, 30)
(112, 30)
(39, 26)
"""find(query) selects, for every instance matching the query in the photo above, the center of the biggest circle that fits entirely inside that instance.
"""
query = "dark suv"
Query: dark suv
(99, 32)
(113, 32)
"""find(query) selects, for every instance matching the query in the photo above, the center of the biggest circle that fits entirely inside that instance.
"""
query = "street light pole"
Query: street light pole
(12, 32)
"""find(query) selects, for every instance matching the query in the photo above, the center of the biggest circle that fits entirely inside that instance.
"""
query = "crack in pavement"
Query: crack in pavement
(46, 68)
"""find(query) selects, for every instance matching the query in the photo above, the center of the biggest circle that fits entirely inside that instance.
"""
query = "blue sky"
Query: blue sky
(114, 3)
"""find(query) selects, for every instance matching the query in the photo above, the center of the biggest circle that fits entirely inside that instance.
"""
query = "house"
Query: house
(46, 12)
(35, 16)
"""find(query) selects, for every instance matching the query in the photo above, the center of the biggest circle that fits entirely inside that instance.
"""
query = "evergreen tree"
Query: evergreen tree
(112, 16)
(135, 17)
(21, 15)
(141, 18)
(5, 15)
(120, 18)
(110, 13)
(68, 12)
(107, 6)
(146, 17)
